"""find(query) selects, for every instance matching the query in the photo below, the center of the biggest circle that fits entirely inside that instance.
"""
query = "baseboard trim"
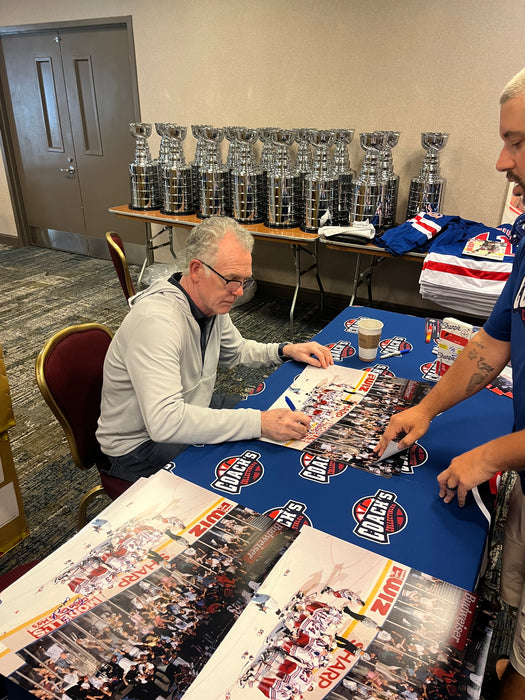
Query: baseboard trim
(10, 240)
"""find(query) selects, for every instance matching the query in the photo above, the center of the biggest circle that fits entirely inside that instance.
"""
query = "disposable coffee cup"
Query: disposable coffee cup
(368, 336)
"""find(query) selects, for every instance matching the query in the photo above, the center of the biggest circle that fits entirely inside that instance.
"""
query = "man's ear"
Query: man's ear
(196, 270)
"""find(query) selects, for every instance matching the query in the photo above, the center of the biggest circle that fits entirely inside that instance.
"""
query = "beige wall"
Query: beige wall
(410, 66)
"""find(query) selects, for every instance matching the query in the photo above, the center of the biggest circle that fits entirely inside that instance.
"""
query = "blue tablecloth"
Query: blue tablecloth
(402, 517)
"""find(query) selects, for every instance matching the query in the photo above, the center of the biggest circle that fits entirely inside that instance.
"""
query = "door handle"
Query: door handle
(69, 171)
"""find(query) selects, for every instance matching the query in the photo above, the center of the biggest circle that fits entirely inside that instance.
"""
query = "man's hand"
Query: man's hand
(311, 353)
(281, 424)
(464, 472)
(410, 424)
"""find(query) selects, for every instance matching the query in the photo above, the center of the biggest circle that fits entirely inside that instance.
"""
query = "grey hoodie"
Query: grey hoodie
(156, 384)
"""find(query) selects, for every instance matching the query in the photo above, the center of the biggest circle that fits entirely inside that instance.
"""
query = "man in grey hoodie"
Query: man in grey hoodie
(160, 369)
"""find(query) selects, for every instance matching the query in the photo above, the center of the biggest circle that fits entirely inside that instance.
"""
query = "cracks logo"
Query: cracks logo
(235, 472)
(378, 517)
(319, 469)
(292, 515)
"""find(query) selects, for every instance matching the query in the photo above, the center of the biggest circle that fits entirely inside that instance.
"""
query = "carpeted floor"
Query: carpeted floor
(43, 291)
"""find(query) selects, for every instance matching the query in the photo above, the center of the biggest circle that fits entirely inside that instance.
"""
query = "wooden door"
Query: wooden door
(71, 98)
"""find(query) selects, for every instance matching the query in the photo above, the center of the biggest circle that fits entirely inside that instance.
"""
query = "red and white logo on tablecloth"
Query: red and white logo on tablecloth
(378, 517)
(430, 371)
(235, 472)
(292, 515)
(395, 344)
(319, 468)
(341, 350)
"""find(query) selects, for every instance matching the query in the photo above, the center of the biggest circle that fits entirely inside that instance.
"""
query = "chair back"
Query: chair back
(69, 374)
(118, 256)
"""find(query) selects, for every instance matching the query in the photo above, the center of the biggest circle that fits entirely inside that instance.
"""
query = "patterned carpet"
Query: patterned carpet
(43, 291)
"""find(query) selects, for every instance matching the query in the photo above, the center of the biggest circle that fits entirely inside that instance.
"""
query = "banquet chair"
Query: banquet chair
(118, 256)
(69, 375)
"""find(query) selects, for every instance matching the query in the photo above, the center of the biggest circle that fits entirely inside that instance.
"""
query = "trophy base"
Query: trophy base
(148, 208)
(290, 225)
(180, 212)
(309, 229)
(247, 222)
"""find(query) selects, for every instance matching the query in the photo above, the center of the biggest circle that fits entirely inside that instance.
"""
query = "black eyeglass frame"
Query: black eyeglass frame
(231, 285)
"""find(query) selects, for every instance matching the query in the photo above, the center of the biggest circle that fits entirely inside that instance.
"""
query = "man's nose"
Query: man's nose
(504, 162)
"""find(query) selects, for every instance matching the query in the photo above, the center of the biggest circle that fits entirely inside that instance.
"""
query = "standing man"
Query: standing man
(160, 368)
(502, 338)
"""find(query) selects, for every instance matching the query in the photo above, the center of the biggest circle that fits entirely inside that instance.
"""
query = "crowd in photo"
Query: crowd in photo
(151, 639)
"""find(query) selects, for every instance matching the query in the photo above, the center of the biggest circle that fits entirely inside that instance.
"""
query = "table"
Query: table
(438, 539)
(370, 250)
(300, 242)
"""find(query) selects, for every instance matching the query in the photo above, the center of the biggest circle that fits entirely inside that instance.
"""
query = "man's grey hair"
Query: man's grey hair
(514, 88)
(203, 241)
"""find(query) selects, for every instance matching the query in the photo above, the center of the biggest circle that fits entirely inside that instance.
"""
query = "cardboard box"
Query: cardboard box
(13, 522)
(7, 418)
(453, 337)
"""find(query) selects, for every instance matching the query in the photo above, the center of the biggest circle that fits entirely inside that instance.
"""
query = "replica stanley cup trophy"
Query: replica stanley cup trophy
(428, 188)
(213, 176)
(197, 162)
(304, 164)
(164, 145)
(143, 172)
(368, 189)
(282, 184)
(175, 174)
(246, 180)
(389, 178)
(321, 186)
(345, 175)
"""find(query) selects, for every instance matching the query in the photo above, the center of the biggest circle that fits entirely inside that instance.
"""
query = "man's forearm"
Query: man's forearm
(477, 365)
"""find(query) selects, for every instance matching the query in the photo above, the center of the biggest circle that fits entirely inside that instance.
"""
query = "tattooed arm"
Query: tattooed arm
(479, 363)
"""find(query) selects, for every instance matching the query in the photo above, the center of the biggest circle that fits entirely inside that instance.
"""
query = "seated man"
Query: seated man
(161, 366)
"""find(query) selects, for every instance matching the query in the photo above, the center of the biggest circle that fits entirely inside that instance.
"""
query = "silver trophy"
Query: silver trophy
(428, 188)
(389, 178)
(345, 175)
(175, 174)
(369, 190)
(282, 183)
(304, 164)
(320, 187)
(164, 145)
(246, 179)
(143, 172)
(197, 162)
(213, 177)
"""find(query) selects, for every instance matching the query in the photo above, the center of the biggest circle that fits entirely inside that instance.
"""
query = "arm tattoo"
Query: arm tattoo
(482, 371)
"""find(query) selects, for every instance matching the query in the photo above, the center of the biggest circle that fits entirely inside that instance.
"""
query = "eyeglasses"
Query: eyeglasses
(231, 285)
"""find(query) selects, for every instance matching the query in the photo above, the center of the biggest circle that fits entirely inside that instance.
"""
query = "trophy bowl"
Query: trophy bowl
(344, 135)
(284, 137)
(434, 140)
(212, 133)
(174, 131)
(140, 129)
(321, 138)
(245, 135)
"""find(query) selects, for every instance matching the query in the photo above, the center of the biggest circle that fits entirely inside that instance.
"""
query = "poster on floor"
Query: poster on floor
(172, 592)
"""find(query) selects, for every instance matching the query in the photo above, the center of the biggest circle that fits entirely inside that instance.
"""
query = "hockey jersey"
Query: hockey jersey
(415, 234)
(463, 282)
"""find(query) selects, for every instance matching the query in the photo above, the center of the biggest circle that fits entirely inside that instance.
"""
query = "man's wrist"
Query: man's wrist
(280, 351)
